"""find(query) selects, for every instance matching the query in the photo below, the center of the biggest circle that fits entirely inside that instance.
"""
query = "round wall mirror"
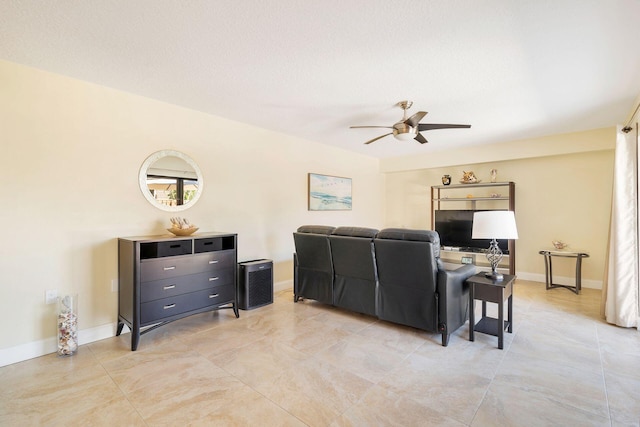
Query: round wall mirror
(170, 180)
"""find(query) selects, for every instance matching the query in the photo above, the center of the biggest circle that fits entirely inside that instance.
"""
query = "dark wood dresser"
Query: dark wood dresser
(166, 278)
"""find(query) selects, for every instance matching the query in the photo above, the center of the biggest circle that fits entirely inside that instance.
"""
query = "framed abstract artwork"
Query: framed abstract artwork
(329, 193)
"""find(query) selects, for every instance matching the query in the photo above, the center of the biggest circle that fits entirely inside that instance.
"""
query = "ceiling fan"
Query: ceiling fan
(410, 128)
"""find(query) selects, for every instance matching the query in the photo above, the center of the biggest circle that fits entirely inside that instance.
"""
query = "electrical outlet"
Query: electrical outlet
(114, 285)
(50, 296)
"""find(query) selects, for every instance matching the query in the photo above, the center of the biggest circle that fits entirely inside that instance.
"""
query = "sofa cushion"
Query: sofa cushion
(415, 235)
(355, 232)
(316, 229)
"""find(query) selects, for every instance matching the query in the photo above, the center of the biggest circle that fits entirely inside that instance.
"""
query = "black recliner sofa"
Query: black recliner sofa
(355, 279)
(414, 287)
(313, 268)
(394, 274)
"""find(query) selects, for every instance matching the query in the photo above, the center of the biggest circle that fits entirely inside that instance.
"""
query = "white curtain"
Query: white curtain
(621, 289)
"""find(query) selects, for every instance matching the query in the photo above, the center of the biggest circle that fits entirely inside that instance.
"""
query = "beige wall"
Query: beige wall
(71, 152)
(561, 197)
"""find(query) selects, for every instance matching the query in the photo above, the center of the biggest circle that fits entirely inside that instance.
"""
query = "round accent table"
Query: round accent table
(578, 255)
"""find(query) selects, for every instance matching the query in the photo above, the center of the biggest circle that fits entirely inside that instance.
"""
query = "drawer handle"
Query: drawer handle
(213, 261)
(169, 287)
(169, 306)
(211, 279)
(214, 296)
(169, 268)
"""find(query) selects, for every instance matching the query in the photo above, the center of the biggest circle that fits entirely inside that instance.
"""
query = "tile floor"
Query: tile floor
(297, 364)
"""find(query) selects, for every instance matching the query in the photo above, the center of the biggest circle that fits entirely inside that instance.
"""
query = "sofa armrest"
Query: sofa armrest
(453, 297)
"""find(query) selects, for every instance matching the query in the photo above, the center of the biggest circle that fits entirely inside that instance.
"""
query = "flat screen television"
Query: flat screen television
(454, 228)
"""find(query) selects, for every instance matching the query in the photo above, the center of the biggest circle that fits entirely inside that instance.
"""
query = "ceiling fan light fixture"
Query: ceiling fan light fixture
(404, 132)
(408, 136)
(410, 128)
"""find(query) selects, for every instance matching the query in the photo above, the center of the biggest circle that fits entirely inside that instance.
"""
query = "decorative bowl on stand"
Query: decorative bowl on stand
(559, 245)
(183, 231)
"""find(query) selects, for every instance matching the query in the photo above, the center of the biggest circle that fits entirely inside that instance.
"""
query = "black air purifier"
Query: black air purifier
(255, 287)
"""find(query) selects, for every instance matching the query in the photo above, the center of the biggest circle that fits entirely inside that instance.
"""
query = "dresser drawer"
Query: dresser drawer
(210, 244)
(163, 268)
(157, 310)
(164, 288)
(166, 248)
(217, 259)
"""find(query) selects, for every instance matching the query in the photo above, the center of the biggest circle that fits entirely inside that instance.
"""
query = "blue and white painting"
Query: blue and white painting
(329, 193)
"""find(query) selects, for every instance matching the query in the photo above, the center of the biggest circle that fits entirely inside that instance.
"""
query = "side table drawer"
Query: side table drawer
(164, 288)
(493, 293)
(157, 310)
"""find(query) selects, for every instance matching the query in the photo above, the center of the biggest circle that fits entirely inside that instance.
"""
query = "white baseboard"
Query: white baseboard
(283, 286)
(537, 277)
(30, 350)
(560, 280)
(39, 348)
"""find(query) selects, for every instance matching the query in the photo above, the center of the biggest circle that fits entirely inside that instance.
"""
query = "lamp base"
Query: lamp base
(494, 275)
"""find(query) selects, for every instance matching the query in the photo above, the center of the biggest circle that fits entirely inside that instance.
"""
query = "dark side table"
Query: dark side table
(488, 290)
(564, 254)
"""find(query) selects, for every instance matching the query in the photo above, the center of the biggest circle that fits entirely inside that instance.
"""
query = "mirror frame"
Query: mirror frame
(142, 179)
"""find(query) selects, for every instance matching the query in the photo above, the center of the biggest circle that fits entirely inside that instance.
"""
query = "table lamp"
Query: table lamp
(494, 225)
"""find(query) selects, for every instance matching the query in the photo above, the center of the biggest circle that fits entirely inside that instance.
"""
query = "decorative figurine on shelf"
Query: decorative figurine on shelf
(469, 178)
(494, 174)
(446, 179)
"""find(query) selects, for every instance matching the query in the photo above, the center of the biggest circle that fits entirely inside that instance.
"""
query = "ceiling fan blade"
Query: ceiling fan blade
(431, 126)
(375, 139)
(362, 127)
(415, 119)
(421, 139)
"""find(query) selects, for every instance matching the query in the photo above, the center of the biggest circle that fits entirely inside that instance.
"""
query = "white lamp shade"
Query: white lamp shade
(494, 225)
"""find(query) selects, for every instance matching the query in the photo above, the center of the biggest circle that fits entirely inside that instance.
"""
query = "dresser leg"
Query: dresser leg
(119, 330)
(135, 339)
(235, 310)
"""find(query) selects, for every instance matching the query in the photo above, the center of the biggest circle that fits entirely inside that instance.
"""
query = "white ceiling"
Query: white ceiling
(512, 69)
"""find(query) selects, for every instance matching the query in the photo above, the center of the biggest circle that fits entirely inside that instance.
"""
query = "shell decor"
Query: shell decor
(559, 244)
(181, 226)
(67, 327)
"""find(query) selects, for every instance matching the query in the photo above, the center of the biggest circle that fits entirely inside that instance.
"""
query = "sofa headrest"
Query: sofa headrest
(414, 235)
(316, 229)
(355, 232)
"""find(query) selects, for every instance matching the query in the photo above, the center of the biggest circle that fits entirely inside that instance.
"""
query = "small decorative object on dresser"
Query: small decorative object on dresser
(181, 227)
(494, 174)
(446, 179)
